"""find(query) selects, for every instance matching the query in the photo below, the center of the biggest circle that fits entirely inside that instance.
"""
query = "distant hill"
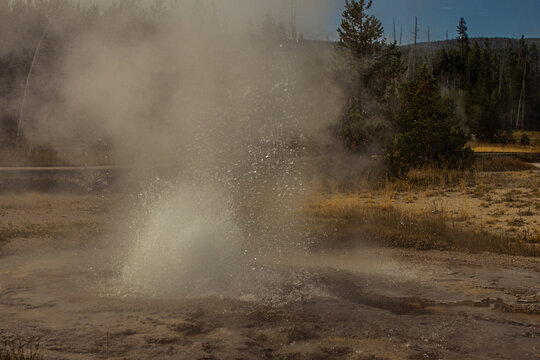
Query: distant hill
(325, 48)
(495, 43)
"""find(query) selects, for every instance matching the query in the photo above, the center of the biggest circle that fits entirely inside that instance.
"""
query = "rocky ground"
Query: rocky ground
(353, 303)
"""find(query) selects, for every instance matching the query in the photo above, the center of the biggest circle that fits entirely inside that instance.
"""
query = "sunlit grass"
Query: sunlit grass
(352, 217)
(504, 148)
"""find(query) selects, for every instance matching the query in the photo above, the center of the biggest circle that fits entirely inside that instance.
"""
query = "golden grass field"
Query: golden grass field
(480, 211)
(53, 217)
(534, 146)
(502, 148)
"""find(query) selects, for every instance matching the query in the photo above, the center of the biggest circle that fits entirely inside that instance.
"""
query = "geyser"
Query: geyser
(187, 244)
(227, 97)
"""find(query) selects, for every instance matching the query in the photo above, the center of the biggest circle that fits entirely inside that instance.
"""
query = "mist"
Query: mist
(220, 92)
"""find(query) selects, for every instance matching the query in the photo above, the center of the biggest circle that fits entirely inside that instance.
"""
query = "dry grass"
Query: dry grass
(527, 212)
(504, 148)
(53, 216)
(502, 164)
(434, 178)
(415, 180)
(50, 230)
(479, 206)
(39, 201)
(350, 218)
(495, 211)
(17, 349)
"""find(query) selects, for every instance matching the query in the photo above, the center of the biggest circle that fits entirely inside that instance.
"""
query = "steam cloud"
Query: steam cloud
(218, 91)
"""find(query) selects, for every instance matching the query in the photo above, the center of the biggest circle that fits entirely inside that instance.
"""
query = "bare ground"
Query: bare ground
(360, 303)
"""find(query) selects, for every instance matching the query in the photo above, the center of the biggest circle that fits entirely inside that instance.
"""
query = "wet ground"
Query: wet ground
(361, 303)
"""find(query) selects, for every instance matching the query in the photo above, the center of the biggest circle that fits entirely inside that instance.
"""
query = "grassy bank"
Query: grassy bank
(495, 210)
(353, 219)
(533, 147)
(505, 148)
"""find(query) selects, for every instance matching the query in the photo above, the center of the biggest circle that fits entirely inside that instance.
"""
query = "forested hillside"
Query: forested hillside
(479, 88)
(495, 81)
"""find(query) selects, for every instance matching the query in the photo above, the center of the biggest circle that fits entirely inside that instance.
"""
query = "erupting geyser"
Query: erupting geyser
(220, 92)
(187, 245)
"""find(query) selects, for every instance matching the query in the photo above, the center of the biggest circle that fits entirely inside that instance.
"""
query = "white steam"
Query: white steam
(189, 244)
(229, 101)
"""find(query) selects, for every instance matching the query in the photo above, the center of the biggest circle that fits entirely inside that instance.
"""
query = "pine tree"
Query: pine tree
(359, 32)
(370, 70)
(429, 132)
(463, 37)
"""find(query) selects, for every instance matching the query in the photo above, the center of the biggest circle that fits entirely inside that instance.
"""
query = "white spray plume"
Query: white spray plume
(221, 93)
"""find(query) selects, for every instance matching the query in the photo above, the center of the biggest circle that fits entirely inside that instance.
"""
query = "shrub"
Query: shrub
(525, 140)
(504, 137)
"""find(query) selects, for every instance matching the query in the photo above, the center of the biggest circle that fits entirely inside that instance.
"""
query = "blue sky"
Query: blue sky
(319, 19)
(490, 18)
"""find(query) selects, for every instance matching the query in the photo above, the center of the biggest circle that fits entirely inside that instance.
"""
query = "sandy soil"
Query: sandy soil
(361, 303)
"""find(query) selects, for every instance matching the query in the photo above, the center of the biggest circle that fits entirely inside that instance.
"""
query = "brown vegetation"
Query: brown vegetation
(18, 349)
(439, 210)
(52, 217)
(504, 148)
(502, 164)
(394, 227)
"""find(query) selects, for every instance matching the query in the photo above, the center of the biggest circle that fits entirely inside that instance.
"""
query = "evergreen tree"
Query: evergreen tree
(359, 32)
(486, 116)
(370, 70)
(463, 37)
(429, 132)
(497, 89)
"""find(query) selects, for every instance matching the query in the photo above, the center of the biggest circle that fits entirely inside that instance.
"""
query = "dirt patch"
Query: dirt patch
(354, 303)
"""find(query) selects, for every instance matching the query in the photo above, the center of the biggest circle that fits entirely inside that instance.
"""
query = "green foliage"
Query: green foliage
(370, 71)
(484, 107)
(359, 32)
(498, 88)
(463, 37)
(525, 140)
(362, 135)
(384, 74)
(429, 132)
(504, 137)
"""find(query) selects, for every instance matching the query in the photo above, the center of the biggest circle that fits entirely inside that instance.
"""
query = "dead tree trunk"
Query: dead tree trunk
(521, 103)
(27, 85)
